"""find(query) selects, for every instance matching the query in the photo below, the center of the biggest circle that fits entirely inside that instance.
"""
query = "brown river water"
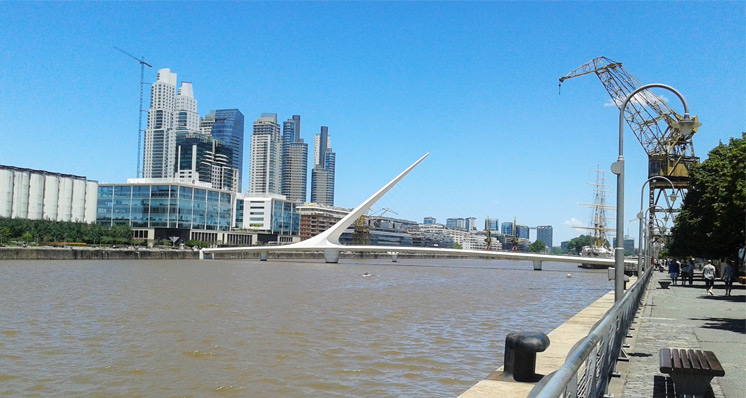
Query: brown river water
(290, 328)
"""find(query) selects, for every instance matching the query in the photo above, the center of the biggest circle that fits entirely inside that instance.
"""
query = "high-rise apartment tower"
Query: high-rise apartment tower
(294, 161)
(265, 167)
(322, 175)
(227, 125)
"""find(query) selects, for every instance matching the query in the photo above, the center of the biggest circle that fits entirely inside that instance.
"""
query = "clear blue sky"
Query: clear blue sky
(473, 83)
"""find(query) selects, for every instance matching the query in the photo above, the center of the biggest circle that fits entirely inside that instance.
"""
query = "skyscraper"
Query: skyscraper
(200, 157)
(265, 168)
(544, 233)
(294, 161)
(322, 175)
(170, 114)
(159, 132)
(227, 125)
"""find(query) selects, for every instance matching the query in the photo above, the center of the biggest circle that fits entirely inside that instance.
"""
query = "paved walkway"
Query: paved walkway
(685, 317)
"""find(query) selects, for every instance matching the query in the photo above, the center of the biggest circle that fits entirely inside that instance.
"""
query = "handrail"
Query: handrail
(590, 364)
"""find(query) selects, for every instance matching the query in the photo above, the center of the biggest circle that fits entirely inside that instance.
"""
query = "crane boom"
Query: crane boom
(655, 125)
(143, 64)
(652, 120)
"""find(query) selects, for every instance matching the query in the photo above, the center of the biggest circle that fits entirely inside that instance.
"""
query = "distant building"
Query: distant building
(43, 195)
(456, 223)
(227, 125)
(545, 233)
(316, 218)
(493, 224)
(628, 244)
(383, 231)
(507, 228)
(200, 157)
(271, 215)
(265, 168)
(158, 209)
(470, 224)
(323, 173)
(429, 221)
(160, 136)
(294, 161)
(523, 231)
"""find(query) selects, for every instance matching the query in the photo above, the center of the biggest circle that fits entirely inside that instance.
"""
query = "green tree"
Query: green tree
(537, 247)
(576, 244)
(711, 221)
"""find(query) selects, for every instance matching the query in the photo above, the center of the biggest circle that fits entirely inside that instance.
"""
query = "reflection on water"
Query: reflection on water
(275, 329)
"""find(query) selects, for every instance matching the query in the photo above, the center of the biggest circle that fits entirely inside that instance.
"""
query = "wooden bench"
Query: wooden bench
(690, 370)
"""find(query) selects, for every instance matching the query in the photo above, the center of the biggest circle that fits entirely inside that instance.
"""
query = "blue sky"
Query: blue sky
(473, 83)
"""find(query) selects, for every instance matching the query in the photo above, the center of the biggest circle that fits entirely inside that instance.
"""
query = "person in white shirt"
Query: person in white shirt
(708, 273)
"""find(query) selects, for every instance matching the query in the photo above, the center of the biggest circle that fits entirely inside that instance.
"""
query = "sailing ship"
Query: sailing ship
(600, 245)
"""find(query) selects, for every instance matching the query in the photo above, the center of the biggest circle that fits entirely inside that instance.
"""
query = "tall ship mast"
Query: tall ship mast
(599, 228)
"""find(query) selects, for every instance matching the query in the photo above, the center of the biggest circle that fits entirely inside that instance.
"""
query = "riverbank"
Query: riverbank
(562, 340)
(91, 253)
(109, 253)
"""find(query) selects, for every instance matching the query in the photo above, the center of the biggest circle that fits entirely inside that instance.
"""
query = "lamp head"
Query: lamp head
(687, 126)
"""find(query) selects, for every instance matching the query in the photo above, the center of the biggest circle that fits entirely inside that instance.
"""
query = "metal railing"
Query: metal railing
(591, 363)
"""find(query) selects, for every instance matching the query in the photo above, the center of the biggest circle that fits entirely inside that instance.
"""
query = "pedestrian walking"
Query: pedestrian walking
(689, 271)
(673, 270)
(728, 276)
(708, 273)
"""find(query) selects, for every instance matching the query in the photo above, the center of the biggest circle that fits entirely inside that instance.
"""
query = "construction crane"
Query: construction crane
(655, 125)
(361, 230)
(143, 64)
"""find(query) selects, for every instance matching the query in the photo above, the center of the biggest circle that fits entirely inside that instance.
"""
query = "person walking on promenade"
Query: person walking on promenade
(728, 276)
(689, 271)
(708, 273)
(673, 270)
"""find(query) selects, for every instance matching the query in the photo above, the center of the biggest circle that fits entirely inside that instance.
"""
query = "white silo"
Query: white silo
(6, 192)
(51, 194)
(91, 201)
(65, 199)
(20, 194)
(36, 197)
(78, 204)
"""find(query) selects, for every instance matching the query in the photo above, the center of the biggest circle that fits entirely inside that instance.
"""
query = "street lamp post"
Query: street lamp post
(686, 126)
(641, 218)
(648, 243)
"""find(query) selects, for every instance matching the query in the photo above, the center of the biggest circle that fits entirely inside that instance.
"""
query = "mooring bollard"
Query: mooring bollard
(520, 355)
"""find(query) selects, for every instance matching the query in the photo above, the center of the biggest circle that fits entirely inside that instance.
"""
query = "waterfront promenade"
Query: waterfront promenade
(680, 317)
(685, 317)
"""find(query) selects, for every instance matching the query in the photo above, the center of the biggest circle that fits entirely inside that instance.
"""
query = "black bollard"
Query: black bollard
(520, 355)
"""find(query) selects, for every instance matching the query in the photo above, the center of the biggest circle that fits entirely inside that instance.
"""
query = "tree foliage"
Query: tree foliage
(54, 231)
(712, 218)
(537, 247)
(575, 245)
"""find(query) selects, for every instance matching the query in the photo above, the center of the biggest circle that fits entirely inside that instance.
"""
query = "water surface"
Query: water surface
(424, 328)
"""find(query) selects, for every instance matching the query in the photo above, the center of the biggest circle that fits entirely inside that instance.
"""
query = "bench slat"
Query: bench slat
(715, 366)
(666, 364)
(676, 359)
(694, 358)
(685, 364)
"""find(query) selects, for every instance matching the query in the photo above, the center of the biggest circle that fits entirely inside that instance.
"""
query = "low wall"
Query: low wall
(76, 253)
(562, 339)
(86, 253)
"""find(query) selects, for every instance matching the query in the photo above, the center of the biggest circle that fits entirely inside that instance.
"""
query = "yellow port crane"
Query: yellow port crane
(655, 125)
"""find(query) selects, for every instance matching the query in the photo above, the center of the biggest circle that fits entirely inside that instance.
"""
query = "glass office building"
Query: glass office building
(164, 206)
